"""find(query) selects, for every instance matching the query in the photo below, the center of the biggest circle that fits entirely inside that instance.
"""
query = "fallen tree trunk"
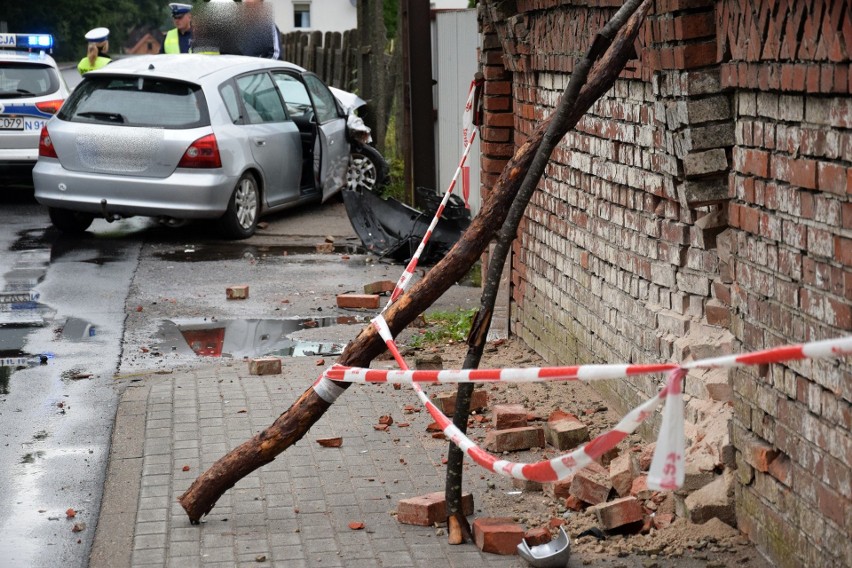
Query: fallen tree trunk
(200, 498)
(609, 52)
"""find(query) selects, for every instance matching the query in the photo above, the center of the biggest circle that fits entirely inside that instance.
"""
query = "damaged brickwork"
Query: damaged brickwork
(702, 207)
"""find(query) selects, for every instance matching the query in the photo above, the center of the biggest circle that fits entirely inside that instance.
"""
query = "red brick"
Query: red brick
(639, 488)
(759, 454)
(426, 510)
(559, 489)
(619, 512)
(446, 401)
(514, 439)
(537, 536)
(591, 484)
(497, 535)
(574, 504)
(240, 292)
(832, 177)
(622, 471)
(566, 434)
(265, 366)
(693, 26)
(509, 416)
(803, 172)
(717, 313)
(662, 520)
(781, 469)
(379, 287)
(364, 301)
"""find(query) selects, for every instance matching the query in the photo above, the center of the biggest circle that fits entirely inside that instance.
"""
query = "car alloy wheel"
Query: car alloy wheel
(367, 169)
(240, 220)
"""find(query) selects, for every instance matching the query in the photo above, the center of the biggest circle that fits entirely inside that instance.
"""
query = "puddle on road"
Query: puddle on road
(250, 337)
(207, 253)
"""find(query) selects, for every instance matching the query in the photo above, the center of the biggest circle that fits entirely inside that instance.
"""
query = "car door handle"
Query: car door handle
(259, 142)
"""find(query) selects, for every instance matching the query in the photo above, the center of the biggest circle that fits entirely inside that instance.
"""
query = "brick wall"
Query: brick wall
(701, 207)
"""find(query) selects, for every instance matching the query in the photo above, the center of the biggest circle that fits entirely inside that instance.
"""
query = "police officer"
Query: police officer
(179, 38)
(96, 51)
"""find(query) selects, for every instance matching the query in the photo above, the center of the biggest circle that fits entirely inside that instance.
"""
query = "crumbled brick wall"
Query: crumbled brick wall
(701, 207)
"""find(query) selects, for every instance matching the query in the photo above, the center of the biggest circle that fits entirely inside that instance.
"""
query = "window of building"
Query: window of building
(301, 14)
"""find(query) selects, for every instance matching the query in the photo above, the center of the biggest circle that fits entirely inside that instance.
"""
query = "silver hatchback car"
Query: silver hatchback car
(182, 137)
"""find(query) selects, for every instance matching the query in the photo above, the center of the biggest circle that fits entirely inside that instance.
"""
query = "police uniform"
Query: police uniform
(95, 36)
(177, 41)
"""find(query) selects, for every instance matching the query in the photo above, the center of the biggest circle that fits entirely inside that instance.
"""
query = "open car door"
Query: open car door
(334, 146)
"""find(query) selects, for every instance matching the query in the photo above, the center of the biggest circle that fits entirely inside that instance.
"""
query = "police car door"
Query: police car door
(332, 134)
(272, 137)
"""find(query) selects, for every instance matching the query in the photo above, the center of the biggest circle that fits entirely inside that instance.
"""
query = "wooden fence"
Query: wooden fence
(331, 55)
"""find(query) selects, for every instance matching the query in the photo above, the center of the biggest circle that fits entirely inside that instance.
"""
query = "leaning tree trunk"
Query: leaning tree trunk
(290, 426)
(609, 52)
(295, 422)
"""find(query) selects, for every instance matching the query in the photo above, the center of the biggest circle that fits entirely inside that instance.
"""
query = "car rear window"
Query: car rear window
(19, 80)
(137, 101)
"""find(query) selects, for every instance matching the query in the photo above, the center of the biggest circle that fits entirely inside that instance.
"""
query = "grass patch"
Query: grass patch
(444, 326)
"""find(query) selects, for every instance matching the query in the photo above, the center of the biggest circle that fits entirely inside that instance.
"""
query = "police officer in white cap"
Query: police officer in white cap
(179, 39)
(96, 52)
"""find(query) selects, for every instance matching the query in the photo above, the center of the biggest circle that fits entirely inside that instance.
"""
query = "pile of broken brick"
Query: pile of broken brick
(614, 490)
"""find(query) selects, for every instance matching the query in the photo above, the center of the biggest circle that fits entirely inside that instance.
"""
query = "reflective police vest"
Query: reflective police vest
(84, 66)
(172, 43)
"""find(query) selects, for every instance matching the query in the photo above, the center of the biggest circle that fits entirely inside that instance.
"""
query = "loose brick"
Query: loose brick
(497, 535)
(619, 512)
(537, 536)
(514, 439)
(509, 416)
(446, 401)
(559, 489)
(426, 510)
(622, 471)
(240, 292)
(566, 433)
(379, 287)
(639, 488)
(265, 366)
(355, 301)
(591, 484)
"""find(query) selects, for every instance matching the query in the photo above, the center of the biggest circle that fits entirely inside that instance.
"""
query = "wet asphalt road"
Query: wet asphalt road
(82, 318)
(61, 321)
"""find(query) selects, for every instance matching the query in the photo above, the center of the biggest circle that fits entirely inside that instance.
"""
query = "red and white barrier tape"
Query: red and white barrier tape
(468, 136)
(667, 467)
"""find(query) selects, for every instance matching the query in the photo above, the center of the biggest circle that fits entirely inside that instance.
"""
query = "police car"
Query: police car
(31, 91)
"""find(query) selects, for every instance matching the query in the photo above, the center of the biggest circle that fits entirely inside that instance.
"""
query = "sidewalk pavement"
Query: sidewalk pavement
(293, 512)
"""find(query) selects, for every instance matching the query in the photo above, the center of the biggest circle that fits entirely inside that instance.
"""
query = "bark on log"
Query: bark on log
(200, 498)
(613, 44)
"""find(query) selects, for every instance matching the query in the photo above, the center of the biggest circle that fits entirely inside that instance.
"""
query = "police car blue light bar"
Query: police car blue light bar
(40, 42)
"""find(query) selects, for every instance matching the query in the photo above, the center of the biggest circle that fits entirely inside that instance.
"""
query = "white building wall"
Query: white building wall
(326, 15)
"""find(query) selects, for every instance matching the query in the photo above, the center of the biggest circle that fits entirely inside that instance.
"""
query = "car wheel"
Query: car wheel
(70, 221)
(240, 220)
(368, 170)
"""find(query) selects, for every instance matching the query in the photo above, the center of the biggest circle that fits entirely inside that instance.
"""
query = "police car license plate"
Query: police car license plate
(11, 122)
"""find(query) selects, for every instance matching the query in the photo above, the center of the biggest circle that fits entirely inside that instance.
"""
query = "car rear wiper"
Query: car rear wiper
(106, 116)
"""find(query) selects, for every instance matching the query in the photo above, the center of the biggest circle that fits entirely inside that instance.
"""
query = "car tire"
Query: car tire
(368, 170)
(240, 220)
(73, 222)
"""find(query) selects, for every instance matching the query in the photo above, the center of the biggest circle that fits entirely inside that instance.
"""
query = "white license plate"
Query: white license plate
(11, 122)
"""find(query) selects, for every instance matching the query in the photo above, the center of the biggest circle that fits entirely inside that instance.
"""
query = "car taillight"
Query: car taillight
(203, 153)
(50, 107)
(45, 145)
